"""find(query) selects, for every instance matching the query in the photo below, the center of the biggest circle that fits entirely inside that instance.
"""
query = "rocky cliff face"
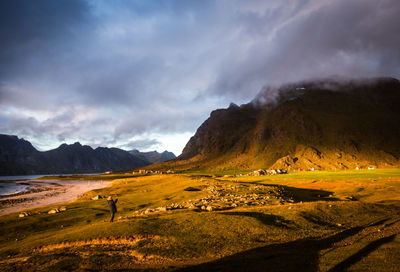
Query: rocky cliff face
(18, 156)
(321, 125)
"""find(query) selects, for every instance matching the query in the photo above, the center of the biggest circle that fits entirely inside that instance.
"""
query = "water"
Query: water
(8, 188)
(30, 177)
(12, 188)
(25, 177)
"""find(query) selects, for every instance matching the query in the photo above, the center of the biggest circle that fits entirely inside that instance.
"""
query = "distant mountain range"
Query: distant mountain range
(153, 156)
(18, 157)
(321, 125)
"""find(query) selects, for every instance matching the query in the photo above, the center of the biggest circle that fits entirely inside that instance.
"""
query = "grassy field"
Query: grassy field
(205, 221)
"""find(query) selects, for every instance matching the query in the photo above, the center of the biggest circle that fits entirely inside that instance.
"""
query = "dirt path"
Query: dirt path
(47, 192)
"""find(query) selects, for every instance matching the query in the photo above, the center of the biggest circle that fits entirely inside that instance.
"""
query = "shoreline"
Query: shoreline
(47, 192)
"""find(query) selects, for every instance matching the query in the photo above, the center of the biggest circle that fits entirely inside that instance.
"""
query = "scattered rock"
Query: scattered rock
(223, 196)
(24, 214)
(147, 211)
(53, 211)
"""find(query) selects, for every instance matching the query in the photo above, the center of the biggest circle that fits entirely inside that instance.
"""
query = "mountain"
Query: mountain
(18, 156)
(154, 156)
(322, 125)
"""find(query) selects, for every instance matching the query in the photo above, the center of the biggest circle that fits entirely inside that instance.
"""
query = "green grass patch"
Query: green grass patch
(343, 174)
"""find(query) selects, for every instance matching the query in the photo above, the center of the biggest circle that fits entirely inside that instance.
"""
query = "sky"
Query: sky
(146, 74)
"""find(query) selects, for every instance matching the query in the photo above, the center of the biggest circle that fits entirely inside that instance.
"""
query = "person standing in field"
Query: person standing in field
(113, 207)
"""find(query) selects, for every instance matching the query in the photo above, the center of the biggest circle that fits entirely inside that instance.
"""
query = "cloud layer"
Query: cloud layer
(132, 72)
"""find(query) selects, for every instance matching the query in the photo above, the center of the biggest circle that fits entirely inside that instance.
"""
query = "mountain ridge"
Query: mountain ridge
(320, 125)
(154, 156)
(18, 156)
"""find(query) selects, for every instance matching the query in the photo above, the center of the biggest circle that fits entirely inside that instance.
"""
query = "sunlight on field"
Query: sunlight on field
(209, 221)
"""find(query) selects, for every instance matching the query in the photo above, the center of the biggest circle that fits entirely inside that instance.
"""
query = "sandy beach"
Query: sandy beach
(47, 192)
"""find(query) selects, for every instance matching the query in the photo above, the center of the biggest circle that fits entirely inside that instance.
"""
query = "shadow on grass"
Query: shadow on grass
(355, 258)
(300, 255)
(315, 219)
(100, 209)
(266, 219)
(308, 195)
(300, 194)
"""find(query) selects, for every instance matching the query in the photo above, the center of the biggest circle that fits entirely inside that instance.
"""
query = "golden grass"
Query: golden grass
(329, 230)
(104, 241)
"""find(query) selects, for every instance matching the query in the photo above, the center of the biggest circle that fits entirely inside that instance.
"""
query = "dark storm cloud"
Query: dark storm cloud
(107, 72)
(314, 39)
(29, 27)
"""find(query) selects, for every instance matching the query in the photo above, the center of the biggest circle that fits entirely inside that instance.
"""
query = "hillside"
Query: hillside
(321, 125)
(18, 156)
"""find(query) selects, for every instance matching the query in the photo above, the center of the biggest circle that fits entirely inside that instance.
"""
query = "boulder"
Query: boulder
(147, 211)
(62, 209)
(53, 211)
(97, 197)
(24, 214)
